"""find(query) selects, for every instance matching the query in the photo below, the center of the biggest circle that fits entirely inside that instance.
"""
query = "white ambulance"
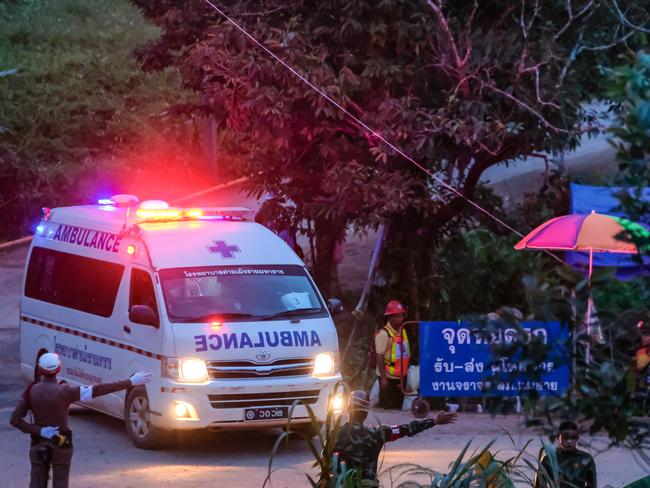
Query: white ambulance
(220, 309)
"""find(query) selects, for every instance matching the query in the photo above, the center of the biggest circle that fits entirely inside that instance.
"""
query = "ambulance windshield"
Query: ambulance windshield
(239, 293)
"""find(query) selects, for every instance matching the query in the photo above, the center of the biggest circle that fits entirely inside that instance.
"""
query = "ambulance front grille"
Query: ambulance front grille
(247, 369)
(246, 400)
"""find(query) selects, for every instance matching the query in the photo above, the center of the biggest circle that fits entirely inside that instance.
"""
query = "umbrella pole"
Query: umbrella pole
(589, 301)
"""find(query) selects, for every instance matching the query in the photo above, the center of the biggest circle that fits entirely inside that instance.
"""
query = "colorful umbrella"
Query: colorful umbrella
(591, 232)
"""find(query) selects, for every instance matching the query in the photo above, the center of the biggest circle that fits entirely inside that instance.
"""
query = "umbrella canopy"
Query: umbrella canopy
(591, 232)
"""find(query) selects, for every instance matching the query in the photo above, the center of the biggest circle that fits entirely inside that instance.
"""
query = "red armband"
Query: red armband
(395, 433)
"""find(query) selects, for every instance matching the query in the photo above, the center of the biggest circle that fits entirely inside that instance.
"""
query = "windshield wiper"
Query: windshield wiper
(211, 317)
(291, 313)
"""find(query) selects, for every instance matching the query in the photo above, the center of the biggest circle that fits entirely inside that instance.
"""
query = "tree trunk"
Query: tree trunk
(328, 233)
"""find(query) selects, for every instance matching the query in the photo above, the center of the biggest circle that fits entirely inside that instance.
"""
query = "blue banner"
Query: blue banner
(457, 359)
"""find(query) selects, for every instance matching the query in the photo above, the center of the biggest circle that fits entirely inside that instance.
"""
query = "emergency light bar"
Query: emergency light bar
(160, 211)
(166, 214)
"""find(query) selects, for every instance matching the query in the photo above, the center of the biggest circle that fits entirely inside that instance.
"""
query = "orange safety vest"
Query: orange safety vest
(398, 362)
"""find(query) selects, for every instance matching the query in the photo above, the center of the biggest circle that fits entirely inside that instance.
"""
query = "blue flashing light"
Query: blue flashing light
(40, 229)
(105, 201)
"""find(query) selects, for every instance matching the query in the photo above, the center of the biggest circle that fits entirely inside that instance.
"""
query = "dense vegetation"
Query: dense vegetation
(77, 113)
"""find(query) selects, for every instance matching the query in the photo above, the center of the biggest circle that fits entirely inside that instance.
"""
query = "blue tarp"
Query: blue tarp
(602, 199)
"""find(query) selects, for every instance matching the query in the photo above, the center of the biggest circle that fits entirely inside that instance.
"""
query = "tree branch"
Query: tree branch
(444, 26)
(526, 107)
(626, 21)
(572, 17)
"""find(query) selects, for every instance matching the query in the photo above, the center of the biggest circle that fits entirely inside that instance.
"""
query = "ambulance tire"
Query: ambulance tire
(138, 424)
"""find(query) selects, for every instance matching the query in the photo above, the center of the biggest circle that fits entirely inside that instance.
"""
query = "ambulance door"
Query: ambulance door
(141, 329)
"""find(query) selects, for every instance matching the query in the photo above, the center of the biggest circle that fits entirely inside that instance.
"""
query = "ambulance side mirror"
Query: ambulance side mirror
(335, 306)
(143, 314)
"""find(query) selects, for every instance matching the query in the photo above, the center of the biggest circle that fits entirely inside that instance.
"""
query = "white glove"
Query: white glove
(49, 432)
(140, 378)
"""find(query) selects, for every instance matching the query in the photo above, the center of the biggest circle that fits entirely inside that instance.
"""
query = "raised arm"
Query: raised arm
(417, 426)
(87, 393)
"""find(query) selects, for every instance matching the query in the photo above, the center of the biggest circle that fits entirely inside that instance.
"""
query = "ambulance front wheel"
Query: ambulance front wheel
(137, 417)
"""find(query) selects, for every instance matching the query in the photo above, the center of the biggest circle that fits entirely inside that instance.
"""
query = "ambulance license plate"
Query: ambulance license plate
(265, 413)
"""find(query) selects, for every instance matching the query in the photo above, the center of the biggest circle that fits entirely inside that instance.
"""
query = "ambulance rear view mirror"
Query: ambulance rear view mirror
(335, 306)
(143, 314)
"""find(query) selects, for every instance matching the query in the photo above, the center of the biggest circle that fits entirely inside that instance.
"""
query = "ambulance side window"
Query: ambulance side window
(72, 281)
(142, 292)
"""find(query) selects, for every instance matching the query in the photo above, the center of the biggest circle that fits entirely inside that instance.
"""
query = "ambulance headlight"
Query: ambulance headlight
(324, 365)
(189, 370)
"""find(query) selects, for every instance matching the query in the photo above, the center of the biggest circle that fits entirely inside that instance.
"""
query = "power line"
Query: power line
(364, 125)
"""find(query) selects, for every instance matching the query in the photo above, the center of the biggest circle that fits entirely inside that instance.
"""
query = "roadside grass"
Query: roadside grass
(77, 102)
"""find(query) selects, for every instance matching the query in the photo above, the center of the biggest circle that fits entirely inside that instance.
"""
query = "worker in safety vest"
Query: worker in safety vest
(51, 438)
(393, 353)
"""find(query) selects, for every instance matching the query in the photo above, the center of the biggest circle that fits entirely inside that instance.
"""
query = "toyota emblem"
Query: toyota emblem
(263, 356)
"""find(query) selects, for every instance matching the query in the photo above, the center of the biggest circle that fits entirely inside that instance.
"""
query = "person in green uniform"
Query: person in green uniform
(576, 468)
(359, 446)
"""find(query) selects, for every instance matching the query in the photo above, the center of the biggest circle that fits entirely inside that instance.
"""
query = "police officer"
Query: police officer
(360, 446)
(49, 401)
(575, 468)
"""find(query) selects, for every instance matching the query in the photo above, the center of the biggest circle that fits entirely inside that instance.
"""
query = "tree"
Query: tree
(459, 86)
(630, 91)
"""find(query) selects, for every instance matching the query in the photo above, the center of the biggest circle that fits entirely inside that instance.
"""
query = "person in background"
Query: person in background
(393, 353)
(576, 468)
(642, 355)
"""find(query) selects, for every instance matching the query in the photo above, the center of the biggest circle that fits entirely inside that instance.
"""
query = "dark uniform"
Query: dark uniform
(49, 402)
(576, 469)
(359, 446)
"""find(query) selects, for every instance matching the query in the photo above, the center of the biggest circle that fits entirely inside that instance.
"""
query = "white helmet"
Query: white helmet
(49, 364)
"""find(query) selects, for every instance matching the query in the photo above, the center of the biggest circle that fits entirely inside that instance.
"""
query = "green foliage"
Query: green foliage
(608, 385)
(76, 101)
(630, 89)
(466, 279)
